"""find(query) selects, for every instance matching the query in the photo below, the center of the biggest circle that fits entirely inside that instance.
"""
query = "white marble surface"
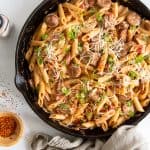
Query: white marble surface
(18, 11)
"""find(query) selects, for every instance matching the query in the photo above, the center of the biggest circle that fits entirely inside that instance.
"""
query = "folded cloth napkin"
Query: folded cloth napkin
(125, 138)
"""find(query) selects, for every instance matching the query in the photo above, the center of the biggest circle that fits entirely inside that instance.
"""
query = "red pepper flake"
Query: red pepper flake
(7, 126)
(139, 49)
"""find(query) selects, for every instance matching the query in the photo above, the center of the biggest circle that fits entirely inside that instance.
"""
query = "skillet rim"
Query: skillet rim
(19, 86)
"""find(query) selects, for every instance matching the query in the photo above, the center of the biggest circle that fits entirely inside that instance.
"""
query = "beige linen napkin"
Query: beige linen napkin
(125, 138)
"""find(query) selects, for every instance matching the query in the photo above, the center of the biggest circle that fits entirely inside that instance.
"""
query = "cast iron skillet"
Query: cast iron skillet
(23, 74)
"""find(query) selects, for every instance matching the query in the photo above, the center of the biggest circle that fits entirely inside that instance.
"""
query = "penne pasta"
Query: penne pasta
(138, 104)
(142, 95)
(29, 54)
(41, 93)
(103, 60)
(115, 9)
(74, 49)
(61, 14)
(90, 64)
(90, 35)
(101, 104)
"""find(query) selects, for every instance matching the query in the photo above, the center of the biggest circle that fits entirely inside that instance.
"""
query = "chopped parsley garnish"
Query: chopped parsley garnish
(139, 59)
(64, 106)
(111, 62)
(99, 17)
(133, 75)
(66, 91)
(73, 32)
(44, 37)
(131, 113)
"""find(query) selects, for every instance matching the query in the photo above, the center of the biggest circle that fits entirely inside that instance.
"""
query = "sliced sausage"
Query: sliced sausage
(134, 19)
(147, 24)
(124, 97)
(123, 34)
(91, 3)
(85, 4)
(74, 71)
(104, 3)
(95, 59)
(52, 20)
(123, 25)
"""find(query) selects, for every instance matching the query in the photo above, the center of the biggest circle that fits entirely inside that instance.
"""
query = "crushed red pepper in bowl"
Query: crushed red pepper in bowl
(11, 128)
(7, 126)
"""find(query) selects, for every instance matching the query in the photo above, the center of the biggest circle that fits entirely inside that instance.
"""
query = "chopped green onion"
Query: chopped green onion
(133, 28)
(99, 17)
(107, 37)
(89, 115)
(80, 47)
(64, 106)
(98, 101)
(40, 60)
(102, 96)
(82, 101)
(146, 38)
(111, 62)
(139, 59)
(37, 50)
(81, 97)
(65, 91)
(44, 37)
(62, 37)
(92, 11)
(131, 113)
(129, 103)
(147, 58)
(133, 75)
(67, 49)
(73, 32)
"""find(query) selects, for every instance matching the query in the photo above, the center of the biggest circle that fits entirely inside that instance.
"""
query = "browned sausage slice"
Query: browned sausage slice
(134, 19)
(104, 3)
(52, 20)
(147, 24)
(91, 3)
(74, 70)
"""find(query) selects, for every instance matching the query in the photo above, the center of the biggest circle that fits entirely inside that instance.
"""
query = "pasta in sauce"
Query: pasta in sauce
(90, 64)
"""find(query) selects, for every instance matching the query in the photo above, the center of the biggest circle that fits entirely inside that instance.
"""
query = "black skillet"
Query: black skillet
(23, 74)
